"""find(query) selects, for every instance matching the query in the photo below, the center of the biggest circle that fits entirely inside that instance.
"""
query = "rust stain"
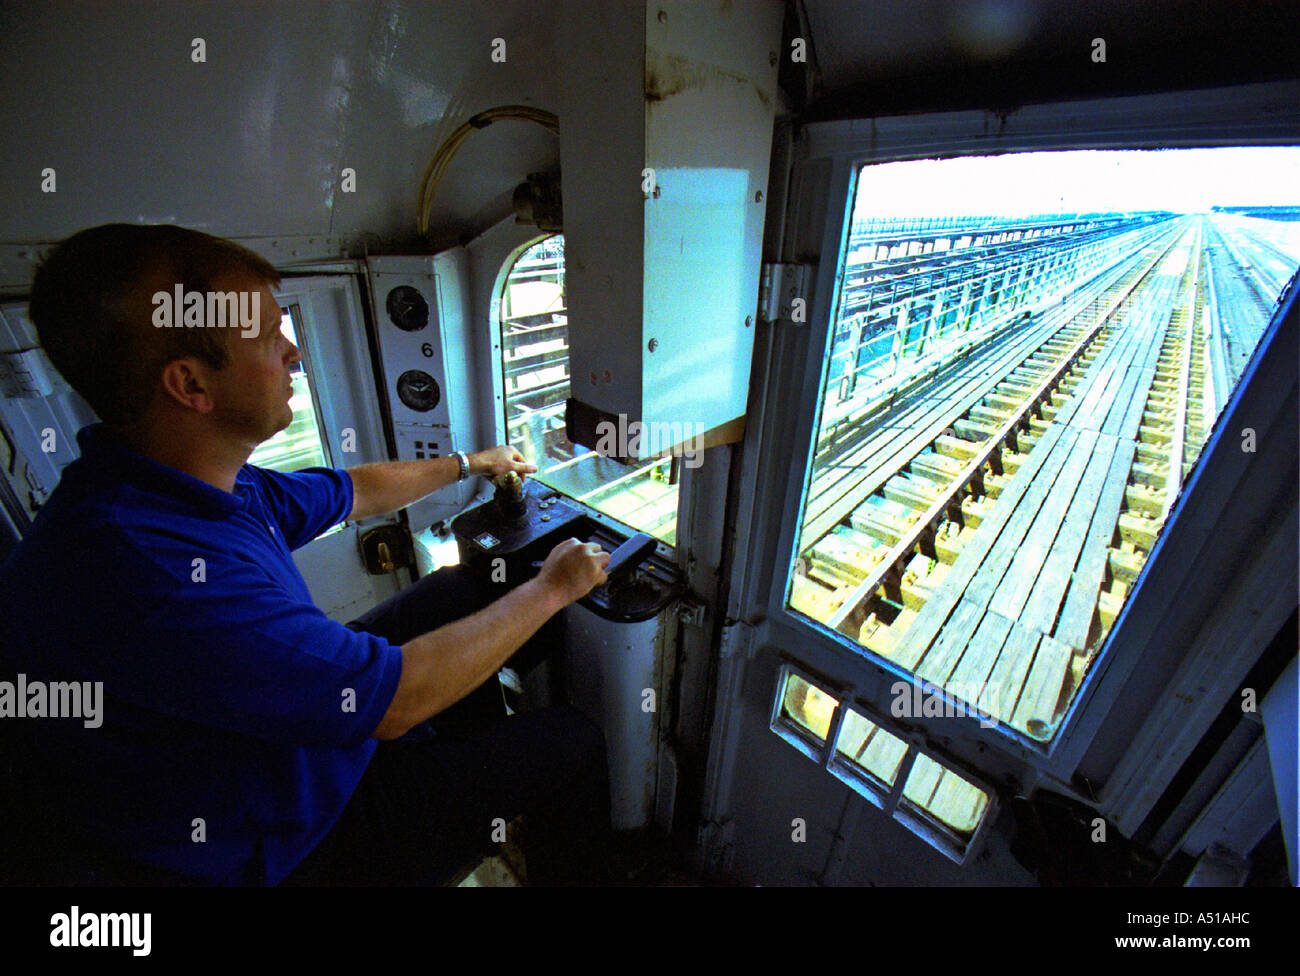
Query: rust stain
(667, 75)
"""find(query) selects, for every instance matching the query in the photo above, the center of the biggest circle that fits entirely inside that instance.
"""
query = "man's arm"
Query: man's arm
(443, 666)
(385, 487)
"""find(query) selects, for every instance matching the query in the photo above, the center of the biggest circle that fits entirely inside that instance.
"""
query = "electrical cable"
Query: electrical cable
(442, 158)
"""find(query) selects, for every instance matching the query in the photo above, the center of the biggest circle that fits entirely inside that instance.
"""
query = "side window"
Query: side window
(299, 445)
(535, 379)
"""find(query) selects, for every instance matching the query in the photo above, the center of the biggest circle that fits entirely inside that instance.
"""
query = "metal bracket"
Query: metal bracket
(783, 293)
(690, 612)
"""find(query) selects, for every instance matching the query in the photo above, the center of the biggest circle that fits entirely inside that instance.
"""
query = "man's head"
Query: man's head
(98, 308)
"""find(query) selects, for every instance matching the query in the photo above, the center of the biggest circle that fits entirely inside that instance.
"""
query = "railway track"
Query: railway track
(1134, 363)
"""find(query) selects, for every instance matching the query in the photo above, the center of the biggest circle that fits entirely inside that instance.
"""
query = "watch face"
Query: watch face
(407, 309)
(418, 390)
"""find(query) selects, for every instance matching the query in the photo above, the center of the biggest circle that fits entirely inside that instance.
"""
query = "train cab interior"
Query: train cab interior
(929, 368)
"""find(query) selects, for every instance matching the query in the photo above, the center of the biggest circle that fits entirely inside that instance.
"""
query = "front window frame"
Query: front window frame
(836, 153)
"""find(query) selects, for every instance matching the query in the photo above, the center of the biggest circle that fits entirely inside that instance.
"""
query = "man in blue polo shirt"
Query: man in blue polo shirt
(238, 737)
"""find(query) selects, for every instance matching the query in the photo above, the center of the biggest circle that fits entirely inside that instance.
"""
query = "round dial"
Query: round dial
(418, 390)
(407, 309)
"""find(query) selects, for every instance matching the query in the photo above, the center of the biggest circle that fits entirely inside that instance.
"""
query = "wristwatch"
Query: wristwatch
(463, 458)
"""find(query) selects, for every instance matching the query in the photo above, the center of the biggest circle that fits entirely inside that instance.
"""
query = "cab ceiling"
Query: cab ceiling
(878, 57)
(251, 143)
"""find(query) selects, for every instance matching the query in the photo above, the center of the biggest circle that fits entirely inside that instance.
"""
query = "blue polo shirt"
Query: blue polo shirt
(236, 717)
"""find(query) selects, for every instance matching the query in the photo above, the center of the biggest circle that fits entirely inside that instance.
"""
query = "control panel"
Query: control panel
(507, 539)
(419, 304)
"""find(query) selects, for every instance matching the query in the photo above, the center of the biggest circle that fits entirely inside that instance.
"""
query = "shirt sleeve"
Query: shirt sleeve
(247, 657)
(304, 503)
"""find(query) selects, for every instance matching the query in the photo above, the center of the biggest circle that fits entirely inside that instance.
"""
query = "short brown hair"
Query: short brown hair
(93, 322)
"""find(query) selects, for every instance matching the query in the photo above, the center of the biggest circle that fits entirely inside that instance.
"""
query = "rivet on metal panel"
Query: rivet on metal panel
(758, 196)
(749, 320)
(654, 344)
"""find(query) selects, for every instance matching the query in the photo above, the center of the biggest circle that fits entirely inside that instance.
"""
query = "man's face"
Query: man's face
(251, 394)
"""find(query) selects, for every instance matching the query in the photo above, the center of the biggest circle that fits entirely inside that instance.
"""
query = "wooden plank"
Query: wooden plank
(982, 652)
(1007, 679)
(883, 754)
(861, 472)
(1081, 600)
(1027, 555)
(1130, 417)
(1037, 707)
(1098, 372)
(1101, 376)
(1001, 555)
(936, 662)
(1179, 435)
(1121, 397)
(945, 598)
(1128, 429)
(1054, 577)
(923, 781)
(1132, 395)
(842, 618)
(1105, 392)
(920, 406)
(957, 803)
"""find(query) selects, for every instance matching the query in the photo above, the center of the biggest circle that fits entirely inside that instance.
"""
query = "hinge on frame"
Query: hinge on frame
(783, 293)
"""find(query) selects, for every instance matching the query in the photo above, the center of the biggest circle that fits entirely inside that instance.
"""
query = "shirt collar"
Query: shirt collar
(104, 452)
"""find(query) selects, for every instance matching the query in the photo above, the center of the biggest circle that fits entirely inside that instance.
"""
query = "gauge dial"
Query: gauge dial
(407, 309)
(418, 390)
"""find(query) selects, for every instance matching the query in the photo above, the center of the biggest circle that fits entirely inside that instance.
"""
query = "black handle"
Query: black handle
(629, 555)
(626, 557)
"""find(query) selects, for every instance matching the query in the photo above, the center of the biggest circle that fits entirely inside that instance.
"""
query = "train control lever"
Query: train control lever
(509, 496)
(624, 559)
(508, 538)
(628, 556)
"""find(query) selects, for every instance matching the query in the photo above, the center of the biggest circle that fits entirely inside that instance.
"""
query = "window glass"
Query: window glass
(935, 802)
(1026, 356)
(870, 749)
(535, 375)
(807, 706)
(298, 445)
(944, 796)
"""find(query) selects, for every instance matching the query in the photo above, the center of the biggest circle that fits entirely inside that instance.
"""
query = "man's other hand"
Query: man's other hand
(498, 460)
(573, 569)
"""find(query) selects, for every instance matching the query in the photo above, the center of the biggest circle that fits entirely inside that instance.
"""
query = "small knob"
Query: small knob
(509, 495)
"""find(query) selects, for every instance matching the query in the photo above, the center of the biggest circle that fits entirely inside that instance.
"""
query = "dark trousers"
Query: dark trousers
(435, 800)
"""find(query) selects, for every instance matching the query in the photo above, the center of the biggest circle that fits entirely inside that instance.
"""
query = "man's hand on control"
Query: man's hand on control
(573, 569)
(498, 460)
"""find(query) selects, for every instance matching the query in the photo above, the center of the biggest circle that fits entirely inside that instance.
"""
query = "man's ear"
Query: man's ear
(185, 382)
